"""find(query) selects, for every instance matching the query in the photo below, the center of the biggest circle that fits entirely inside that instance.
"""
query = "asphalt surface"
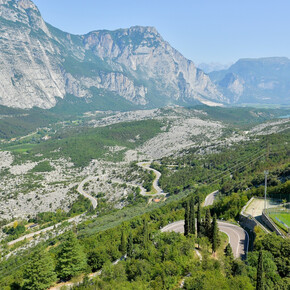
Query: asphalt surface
(238, 237)
(159, 191)
(82, 192)
(74, 219)
(210, 198)
(28, 236)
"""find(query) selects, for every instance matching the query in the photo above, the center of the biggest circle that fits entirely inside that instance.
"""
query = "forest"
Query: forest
(149, 259)
(125, 249)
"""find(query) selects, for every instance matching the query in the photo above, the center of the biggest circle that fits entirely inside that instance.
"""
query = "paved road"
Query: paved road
(210, 198)
(28, 236)
(159, 191)
(74, 219)
(80, 189)
(238, 237)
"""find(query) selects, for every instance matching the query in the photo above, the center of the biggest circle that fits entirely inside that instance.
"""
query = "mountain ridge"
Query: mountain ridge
(255, 80)
(42, 64)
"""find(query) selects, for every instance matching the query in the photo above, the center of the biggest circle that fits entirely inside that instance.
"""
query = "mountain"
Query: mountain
(261, 80)
(42, 66)
(212, 66)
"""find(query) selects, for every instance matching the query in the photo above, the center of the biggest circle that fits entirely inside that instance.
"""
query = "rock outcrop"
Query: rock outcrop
(40, 64)
(261, 80)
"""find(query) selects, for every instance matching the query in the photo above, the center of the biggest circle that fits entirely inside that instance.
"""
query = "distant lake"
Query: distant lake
(284, 117)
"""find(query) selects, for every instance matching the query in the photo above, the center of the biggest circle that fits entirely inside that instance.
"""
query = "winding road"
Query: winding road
(94, 201)
(158, 189)
(71, 220)
(210, 198)
(80, 189)
(238, 237)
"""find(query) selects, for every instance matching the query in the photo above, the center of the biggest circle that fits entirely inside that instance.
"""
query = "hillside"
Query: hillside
(261, 80)
(42, 65)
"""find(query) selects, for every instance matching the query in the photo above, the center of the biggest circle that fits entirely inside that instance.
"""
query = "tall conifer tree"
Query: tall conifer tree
(130, 246)
(39, 273)
(123, 246)
(259, 285)
(215, 234)
(186, 219)
(192, 217)
(207, 224)
(71, 258)
(198, 224)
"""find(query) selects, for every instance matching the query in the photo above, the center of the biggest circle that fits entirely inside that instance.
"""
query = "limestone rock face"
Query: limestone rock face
(40, 64)
(260, 80)
(30, 73)
(147, 56)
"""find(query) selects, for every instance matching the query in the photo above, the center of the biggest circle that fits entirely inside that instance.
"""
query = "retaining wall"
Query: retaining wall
(266, 219)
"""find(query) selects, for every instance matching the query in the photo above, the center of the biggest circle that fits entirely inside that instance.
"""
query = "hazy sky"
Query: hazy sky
(202, 30)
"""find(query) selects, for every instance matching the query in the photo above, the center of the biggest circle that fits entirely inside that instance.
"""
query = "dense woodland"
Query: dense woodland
(148, 259)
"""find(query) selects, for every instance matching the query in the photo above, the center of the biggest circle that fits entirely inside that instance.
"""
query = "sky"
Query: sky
(221, 31)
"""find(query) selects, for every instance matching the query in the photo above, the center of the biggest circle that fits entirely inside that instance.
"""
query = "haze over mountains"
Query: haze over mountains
(130, 68)
(262, 80)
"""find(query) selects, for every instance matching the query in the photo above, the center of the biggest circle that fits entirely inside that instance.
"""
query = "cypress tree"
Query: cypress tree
(39, 273)
(229, 252)
(186, 219)
(215, 234)
(198, 224)
(145, 234)
(259, 285)
(229, 260)
(71, 258)
(123, 246)
(130, 246)
(207, 224)
(192, 217)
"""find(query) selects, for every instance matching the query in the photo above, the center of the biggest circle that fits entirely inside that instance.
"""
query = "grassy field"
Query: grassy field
(281, 217)
(20, 148)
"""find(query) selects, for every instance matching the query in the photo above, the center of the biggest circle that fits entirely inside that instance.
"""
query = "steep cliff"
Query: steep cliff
(261, 80)
(41, 64)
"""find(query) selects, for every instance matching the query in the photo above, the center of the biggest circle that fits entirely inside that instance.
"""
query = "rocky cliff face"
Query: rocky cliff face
(40, 63)
(148, 58)
(30, 73)
(261, 80)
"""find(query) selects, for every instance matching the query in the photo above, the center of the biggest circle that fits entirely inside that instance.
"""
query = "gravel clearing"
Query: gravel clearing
(182, 134)
(6, 159)
(23, 168)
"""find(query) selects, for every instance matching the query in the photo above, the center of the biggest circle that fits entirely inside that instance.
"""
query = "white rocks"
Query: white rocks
(38, 65)
(6, 159)
(126, 117)
(271, 127)
(182, 134)
(23, 168)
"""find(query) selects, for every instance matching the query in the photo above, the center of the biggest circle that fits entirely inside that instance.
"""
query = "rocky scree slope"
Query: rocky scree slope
(41, 65)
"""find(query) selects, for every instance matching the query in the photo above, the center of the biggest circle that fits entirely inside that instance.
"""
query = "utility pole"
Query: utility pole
(266, 172)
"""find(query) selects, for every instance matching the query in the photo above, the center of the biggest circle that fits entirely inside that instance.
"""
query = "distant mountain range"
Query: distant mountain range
(42, 66)
(212, 66)
(261, 80)
(129, 67)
